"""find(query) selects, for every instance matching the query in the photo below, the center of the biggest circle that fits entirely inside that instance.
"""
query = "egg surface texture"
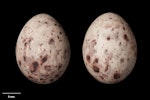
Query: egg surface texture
(42, 49)
(109, 49)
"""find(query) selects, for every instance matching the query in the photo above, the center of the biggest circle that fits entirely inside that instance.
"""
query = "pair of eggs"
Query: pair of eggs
(43, 49)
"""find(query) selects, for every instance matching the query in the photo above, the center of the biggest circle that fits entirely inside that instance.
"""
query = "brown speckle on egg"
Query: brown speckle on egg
(29, 40)
(101, 77)
(124, 28)
(24, 40)
(55, 24)
(47, 67)
(58, 51)
(34, 66)
(60, 66)
(42, 79)
(65, 53)
(133, 47)
(30, 77)
(117, 75)
(95, 61)
(51, 80)
(57, 37)
(122, 60)
(53, 30)
(45, 76)
(106, 68)
(24, 58)
(44, 59)
(116, 36)
(126, 37)
(108, 38)
(57, 75)
(51, 41)
(107, 26)
(117, 26)
(112, 29)
(106, 51)
(95, 69)
(93, 42)
(46, 22)
(88, 58)
(128, 59)
(19, 63)
(41, 44)
(119, 43)
(25, 44)
(60, 32)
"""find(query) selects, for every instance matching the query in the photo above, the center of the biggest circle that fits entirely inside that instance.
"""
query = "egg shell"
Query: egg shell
(42, 49)
(109, 49)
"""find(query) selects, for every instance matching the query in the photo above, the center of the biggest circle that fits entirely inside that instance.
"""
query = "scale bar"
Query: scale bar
(11, 92)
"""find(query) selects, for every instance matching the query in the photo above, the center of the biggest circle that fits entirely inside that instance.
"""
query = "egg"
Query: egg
(42, 49)
(109, 49)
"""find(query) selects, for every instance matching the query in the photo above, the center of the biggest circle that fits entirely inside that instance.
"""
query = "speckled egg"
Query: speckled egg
(109, 49)
(42, 49)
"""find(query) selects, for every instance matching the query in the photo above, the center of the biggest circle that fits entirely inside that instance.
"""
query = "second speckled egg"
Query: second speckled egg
(109, 49)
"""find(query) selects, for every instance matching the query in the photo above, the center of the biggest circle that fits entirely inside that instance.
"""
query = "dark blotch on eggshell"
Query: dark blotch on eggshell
(133, 47)
(51, 41)
(96, 61)
(117, 75)
(124, 28)
(108, 38)
(34, 66)
(51, 80)
(44, 59)
(57, 75)
(19, 63)
(55, 24)
(30, 77)
(106, 50)
(60, 32)
(47, 67)
(126, 37)
(59, 66)
(106, 68)
(96, 69)
(93, 43)
(122, 60)
(57, 37)
(128, 59)
(46, 22)
(88, 58)
(119, 43)
(24, 58)
(30, 39)
(25, 44)
(101, 77)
